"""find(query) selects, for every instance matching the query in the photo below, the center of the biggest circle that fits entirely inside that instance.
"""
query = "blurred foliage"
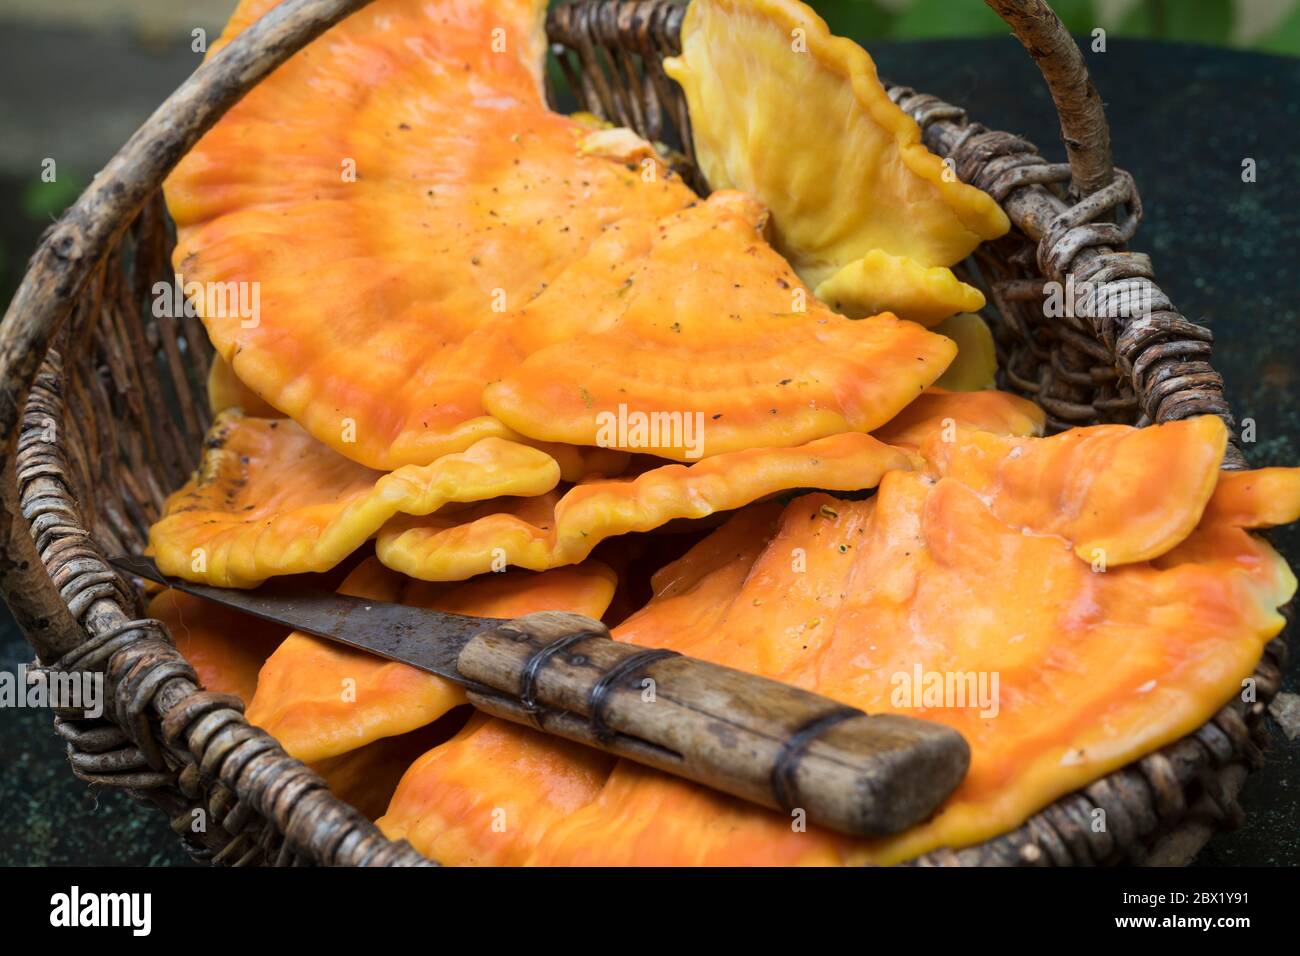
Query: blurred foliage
(43, 202)
(1196, 21)
(1203, 21)
(1286, 38)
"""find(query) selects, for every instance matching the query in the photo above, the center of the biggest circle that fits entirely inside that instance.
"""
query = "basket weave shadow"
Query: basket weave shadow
(111, 405)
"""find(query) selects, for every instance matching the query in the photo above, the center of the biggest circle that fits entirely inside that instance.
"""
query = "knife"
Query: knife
(754, 738)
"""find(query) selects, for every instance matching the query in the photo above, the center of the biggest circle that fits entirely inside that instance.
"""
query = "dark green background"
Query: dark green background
(1198, 21)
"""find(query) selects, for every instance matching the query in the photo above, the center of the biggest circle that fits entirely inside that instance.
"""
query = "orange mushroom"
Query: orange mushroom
(554, 530)
(321, 699)
(943, 412)
(226, 648)
(1118, 494)
(400, 183)
(697, 321)
(920, 600)
(226, 391)
(1256, 499)
(269, 500)
(866, 214)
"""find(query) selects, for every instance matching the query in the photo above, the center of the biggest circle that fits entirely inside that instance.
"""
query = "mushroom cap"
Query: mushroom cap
(867, 215)
(559, 529)
(268, 500)
(696, 316)
(889, 604)
(387, 191)
(321, 699)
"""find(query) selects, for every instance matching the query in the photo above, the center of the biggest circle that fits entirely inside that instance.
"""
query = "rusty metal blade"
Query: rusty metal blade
(429, 640)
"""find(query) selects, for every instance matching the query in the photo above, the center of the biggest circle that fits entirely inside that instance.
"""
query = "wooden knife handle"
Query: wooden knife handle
(755, 738)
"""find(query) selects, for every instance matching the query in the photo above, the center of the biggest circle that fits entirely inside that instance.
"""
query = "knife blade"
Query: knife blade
(394, 631)
(749, 736)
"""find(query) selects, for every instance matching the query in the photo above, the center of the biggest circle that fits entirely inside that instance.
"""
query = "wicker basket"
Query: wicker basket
(104, 412)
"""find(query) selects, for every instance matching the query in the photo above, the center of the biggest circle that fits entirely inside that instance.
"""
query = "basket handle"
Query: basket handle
(1083, 119)
(74, 247)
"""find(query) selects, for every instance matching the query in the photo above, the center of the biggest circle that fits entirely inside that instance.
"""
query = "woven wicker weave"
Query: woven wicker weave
(105, 412)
